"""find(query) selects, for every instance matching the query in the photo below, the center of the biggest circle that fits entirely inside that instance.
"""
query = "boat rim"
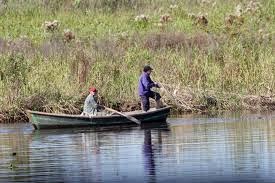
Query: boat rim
(73, 115)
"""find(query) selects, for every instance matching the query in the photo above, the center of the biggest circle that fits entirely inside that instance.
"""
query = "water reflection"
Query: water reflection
(13, 141)
(196, 150)
(149, 163)
(242, 150)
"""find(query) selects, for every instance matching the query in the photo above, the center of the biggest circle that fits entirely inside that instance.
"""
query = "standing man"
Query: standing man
(144, 89)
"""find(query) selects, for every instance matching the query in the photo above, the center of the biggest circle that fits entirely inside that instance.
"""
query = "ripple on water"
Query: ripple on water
(239, 149)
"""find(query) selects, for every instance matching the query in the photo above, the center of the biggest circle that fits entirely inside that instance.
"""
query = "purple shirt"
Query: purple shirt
(145, 84)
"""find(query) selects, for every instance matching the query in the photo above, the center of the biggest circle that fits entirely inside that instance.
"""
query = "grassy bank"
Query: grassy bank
(209, 55)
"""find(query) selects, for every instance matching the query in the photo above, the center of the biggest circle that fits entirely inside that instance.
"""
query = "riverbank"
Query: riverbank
(181, 104)
(209, 55)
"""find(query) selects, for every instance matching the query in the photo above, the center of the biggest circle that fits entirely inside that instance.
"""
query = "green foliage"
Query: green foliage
(111, 46)
(15, 69)
(14, 73)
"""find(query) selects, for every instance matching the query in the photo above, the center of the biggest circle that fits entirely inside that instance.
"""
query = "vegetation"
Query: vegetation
(208, 54)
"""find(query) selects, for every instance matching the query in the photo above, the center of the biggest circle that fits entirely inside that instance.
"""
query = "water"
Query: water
(191, 149)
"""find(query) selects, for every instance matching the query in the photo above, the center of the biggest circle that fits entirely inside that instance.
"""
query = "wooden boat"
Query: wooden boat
(42, 120)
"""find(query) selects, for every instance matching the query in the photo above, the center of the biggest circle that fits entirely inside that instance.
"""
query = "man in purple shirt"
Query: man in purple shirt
(144, 89)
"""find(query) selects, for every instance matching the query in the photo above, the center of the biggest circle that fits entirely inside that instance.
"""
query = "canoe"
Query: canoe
(42, 120)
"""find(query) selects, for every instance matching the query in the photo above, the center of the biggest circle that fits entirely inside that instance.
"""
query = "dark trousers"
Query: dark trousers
(145, 99)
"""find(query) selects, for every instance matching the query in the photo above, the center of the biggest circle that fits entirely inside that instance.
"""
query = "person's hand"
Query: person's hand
(101, 107)
(157, 85)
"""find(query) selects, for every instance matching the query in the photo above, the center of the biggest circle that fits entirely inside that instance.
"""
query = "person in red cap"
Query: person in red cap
(90, 104)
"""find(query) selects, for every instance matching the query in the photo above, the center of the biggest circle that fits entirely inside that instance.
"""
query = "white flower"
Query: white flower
(141, 18)
(239, 10)
(173, 6)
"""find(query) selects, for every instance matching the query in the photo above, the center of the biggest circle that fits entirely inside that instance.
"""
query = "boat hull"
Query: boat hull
(41, 120)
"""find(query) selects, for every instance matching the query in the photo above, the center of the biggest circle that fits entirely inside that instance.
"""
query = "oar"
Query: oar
(131, 118)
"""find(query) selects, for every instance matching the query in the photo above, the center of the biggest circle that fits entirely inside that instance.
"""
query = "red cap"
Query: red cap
(92, 89)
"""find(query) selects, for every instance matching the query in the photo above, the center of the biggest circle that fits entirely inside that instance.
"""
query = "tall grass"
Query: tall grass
(42, 70)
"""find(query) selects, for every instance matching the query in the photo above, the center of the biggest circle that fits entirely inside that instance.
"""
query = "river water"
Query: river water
(231, 148)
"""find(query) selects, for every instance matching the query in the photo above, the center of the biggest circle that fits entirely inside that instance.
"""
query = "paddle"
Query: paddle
(131, 118)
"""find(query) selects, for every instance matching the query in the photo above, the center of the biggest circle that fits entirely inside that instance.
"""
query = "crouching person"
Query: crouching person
(91, 104)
